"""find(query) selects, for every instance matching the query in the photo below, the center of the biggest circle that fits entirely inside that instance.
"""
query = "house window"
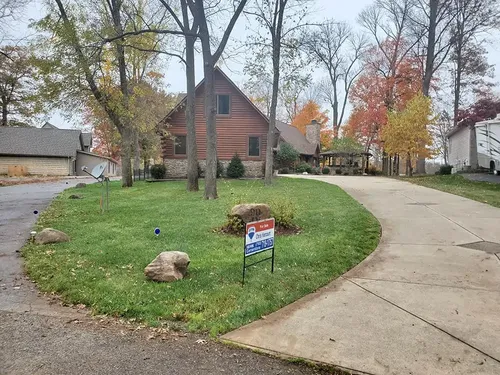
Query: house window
(223, 103)
(253, 146)
(180, 145)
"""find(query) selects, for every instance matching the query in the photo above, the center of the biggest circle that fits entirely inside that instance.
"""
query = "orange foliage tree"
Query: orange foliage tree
(381, 90)
(327, 136)
(312, 111)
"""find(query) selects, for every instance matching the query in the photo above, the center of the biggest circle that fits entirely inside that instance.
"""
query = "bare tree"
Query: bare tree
(279, 22)
(439, 131)
(433, 20)
(189, 26)
(338, 50)
(200, 10)
(9, 11)
(260, 92)
(473, 19)
(390, 24)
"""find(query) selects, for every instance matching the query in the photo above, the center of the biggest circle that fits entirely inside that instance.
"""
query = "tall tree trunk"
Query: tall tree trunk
(137, 151)
(431, 47)
(5, 112)
(409, 168)
(276, 43)
(429, 63)
(192, 149)
(335, 108)
(457, 83)
(126, 156)
(210, 113)
(268, 174)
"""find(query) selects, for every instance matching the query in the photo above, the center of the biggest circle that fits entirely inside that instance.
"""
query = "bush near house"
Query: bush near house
(158, 171)
(235, 169)
(326, 170)
(303, 167)
(286, 156)
(220, 169)
(284, 171)
(444, 170)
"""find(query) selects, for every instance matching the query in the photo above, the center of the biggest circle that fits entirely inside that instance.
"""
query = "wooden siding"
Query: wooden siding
(232, 131)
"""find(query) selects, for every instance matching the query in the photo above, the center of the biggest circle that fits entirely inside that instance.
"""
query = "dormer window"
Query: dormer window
(223, 104)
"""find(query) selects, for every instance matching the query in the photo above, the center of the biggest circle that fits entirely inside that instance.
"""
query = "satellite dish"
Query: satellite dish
(98, 170)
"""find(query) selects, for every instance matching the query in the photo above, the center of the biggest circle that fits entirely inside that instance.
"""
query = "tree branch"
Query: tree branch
(228, 31)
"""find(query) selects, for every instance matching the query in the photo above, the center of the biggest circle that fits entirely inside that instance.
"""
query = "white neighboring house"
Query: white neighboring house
(488, 144)
(462, 149)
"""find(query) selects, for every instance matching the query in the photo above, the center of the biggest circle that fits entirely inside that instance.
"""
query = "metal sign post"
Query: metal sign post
(259, 237)
(98, 174)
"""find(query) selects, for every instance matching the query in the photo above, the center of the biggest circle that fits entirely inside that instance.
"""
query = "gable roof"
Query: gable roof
(48, 125)
(39, 142)
(182, 97)
(293, 136)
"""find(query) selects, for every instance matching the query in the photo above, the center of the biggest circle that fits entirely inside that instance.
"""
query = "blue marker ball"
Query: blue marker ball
(157, 231)
(35, 212)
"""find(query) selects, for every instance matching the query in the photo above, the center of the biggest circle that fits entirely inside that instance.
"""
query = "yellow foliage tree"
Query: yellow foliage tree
(310, 111)
(407, 134)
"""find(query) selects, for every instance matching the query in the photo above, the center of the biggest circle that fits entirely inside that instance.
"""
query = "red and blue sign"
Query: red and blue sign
(259, 236)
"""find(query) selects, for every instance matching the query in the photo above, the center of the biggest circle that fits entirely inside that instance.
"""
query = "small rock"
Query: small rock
(49, 235)
(168, 266)
(305, 173)
(251, 212)
(81, 185)
(75, 196)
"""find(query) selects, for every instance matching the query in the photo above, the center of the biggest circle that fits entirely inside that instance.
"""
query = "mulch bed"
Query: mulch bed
(278, 231)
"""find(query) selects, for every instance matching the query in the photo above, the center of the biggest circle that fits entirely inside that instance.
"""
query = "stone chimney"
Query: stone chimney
(313, 132)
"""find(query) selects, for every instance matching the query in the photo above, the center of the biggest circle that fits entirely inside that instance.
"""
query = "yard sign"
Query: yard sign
(259, 237)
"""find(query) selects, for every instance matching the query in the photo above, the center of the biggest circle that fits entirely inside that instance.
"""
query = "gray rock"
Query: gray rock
(75, 196)
(168, 266)
(49, 235)
(251, 212)
(81, 185)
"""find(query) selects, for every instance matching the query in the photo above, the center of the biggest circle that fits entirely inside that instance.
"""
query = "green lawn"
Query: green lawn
(484, 192)
(102, 267)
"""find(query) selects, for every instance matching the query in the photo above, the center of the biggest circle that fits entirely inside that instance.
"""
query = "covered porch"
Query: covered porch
(346, 162)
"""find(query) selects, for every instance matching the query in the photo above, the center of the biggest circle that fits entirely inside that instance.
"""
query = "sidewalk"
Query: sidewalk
(420, 304)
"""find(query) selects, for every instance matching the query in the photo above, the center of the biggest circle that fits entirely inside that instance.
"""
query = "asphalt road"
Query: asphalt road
(39, 336)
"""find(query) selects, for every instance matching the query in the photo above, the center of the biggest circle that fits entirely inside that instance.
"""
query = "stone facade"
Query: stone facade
(177, 168)
(313, 132)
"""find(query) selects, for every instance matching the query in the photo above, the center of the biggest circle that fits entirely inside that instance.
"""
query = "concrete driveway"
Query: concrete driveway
(424, 302)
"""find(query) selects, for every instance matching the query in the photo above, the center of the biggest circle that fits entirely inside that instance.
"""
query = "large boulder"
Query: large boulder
(81, 185)
(250, 212)
(49, 235)
(168, 266)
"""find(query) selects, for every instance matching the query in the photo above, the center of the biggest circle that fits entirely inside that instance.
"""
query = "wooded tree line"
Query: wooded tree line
(104, 58)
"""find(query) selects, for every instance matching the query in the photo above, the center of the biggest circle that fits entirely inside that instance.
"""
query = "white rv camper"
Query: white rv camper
(488, 144)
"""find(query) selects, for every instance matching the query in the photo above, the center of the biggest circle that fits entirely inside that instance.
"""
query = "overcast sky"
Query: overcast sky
(340, 10)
